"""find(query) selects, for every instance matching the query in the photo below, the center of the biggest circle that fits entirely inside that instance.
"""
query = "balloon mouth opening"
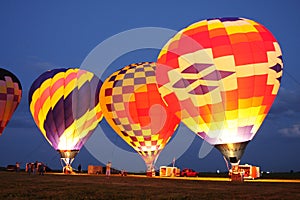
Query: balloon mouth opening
(232, 151)
(68, 155)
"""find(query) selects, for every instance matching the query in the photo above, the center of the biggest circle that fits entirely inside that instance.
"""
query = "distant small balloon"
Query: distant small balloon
(10, 96)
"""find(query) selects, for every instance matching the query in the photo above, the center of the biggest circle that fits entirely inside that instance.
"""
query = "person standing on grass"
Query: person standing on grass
(31, 168)
(35, 167)
(79, 168)
(17, 166)
(108, 166)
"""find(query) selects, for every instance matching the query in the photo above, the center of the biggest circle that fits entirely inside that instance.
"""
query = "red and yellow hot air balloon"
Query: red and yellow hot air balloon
(133, 107)
(10, 96)
(65, 106)
(225, 72)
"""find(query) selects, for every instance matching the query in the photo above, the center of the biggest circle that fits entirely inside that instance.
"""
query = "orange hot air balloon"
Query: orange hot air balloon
(10, 96)
(133, 107)
(225, 72)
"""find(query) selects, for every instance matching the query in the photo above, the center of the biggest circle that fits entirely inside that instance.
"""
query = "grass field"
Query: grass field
(57, 186)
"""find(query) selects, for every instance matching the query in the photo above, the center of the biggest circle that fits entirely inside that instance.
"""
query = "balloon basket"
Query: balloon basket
(236, 174)
(150, 174)
(67, 157)
(150, 170)
(237, 177)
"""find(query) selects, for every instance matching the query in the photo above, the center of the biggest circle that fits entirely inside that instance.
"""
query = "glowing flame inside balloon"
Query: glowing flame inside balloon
(65, 106)
(225, 72)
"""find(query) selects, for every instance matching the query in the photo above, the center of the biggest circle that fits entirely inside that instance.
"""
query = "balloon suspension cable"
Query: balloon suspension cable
(227, 165)
(62, 163)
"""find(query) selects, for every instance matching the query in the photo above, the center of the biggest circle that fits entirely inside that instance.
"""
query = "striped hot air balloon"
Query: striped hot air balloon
(225, 72)
(10, 96)
(133, 107)
(65, 106)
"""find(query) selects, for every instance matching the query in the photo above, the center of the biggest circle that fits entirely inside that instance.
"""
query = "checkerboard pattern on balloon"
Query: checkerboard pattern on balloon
(10, 96)
(127, 98)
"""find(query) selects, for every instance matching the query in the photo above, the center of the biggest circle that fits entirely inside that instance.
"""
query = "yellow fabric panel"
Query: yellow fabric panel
(276, 88)
(9, 82)
(58, 94)
(272, 77)
(151, 79)
(154, 137)
(232, 124)
(128, 82)
(119, 106)
(260, 68)
(124, 120)
(244, 71)
(140, 88)
(136, 127)
(225, 63)
(160, 143)
(66, 89)
(200, 56)
(229, 83)
(245, 103)
(214, 24)
(257, 101)
(165, 89)
(231, 28)
(117, 90)
(140, 138)
(146, 132)
(2, 88)
(244, 113)
(86, 77)
(218, 117)
(128, 97)
(148, 143)
(139, 74)
(231, 114)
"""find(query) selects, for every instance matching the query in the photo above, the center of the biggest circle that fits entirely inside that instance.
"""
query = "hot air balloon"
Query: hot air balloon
(65, 106)
(133, 107)
(225, 72)
(10, 96)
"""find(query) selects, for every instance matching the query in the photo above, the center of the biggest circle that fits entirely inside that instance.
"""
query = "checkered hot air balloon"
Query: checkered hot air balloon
(225, 72)
(133, 107)
(10, 96)
(65, 106)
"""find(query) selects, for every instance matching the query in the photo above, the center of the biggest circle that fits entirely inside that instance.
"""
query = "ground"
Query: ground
(58, 186)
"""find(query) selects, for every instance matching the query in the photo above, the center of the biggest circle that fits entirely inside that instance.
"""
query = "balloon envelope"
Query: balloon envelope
(133, 107)
(225, 72)
(65, 106)
(10, 96)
